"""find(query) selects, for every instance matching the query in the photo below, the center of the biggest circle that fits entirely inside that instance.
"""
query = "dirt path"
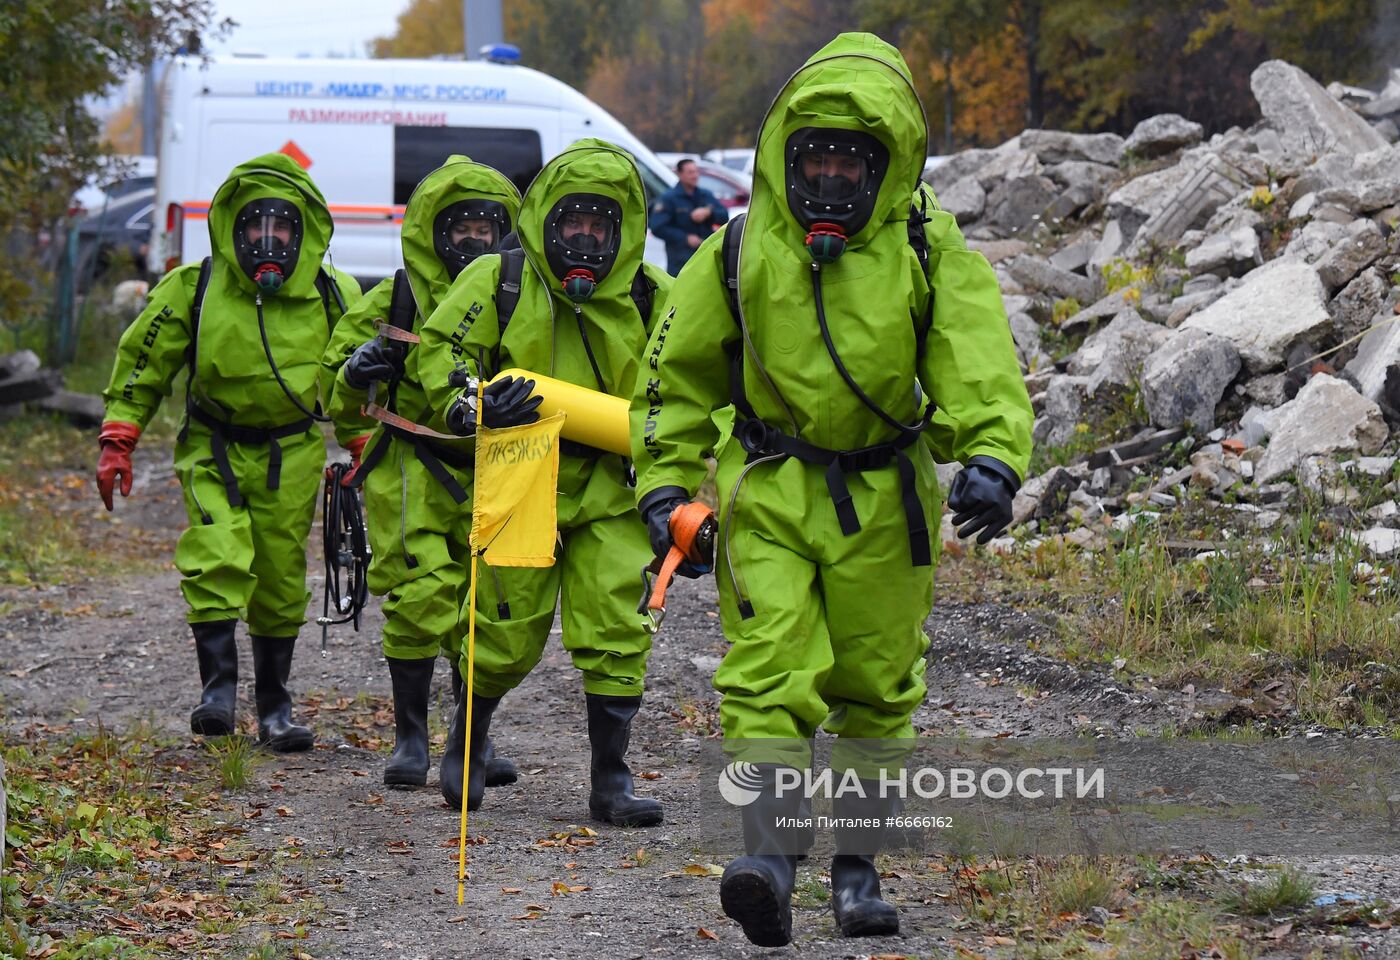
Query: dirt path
(546, 881)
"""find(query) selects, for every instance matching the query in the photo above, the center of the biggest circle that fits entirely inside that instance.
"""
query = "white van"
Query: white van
(367, 131)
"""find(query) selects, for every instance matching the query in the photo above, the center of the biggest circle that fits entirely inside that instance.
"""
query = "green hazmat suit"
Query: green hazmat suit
(418, 532)
(826, 626)
(603, 544)
(241, 559)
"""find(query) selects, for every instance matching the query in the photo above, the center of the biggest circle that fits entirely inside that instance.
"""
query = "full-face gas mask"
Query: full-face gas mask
(833, 179)
(582, 234)
(467, 229)
(267, 240)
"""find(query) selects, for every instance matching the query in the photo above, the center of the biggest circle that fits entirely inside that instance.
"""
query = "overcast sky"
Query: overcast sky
(314, 27)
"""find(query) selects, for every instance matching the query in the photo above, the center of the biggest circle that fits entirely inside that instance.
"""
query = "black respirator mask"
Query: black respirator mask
(833, 179)
(582, 235)
(479, 225)
(266, 242)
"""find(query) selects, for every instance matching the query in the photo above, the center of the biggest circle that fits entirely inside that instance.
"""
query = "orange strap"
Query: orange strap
(686, 523)
(390, 332)
(375, 412)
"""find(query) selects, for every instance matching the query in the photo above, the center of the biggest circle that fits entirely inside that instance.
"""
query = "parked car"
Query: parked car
(735, 158)
(139, 174)
(116, 236)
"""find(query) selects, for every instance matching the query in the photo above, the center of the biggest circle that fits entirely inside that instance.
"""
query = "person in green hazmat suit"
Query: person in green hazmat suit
(863, 341)
(584, 308)
(248, 327)
(415, 486)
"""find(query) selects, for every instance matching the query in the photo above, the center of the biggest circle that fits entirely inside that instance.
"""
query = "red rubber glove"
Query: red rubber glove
(118, 439)
(356, 446)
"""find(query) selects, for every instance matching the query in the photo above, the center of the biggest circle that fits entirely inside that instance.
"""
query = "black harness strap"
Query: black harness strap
(222, 433)
(761, 439)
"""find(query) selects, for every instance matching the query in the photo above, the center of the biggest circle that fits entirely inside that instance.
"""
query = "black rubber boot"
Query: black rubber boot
(499, 770)
(611, 799)
(450, 771)
(272, 665)
(408, 764)
(218, 672)
(756, 889)
(855, 880)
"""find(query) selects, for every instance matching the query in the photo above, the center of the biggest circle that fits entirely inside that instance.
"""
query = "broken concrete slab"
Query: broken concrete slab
(1364, 196)
(1273, 308)
(1056, 146)
(998, 250)
(1316, 240)
(1043, 496)
(1063, 411)
(1014, 205)
(1114, 355)
(1038, 274)
(1327, 416)
(1184, 379)
(1103, 309)
(1380, 541)
(1363, 245)
(81, 409)
(1213, 182)
(1308, 120)
(1163, 134)
(965, 200)
(19, 363)
(1360, 303)
(1110, 245)
(1074, 257)
(1226, 254)
(1376, 366)
(1026, 333)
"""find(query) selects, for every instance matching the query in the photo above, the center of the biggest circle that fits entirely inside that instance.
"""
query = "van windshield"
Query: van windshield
(418, 151)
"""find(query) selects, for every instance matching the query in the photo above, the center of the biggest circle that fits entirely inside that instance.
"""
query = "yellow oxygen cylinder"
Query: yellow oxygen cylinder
(591, 418)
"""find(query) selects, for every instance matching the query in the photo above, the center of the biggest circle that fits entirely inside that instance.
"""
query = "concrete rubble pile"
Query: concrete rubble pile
(1215, 314)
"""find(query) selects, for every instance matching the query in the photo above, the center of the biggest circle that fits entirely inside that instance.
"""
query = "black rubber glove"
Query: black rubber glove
(504, 403)
(981, 498)
(507, 403)
(373, 361)
(656, 509)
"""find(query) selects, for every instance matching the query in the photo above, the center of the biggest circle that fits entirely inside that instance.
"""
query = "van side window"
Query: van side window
(418, 151)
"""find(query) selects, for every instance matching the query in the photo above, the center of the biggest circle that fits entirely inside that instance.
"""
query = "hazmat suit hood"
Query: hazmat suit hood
(460, 178)
(856, 82)
(271, 175)
(588, 166)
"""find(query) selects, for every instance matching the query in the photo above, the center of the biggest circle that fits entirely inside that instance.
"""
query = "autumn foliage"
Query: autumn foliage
(689, 74)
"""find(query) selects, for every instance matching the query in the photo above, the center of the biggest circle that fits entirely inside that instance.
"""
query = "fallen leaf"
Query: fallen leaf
(511, 890)
(702, 870)
(284, 811)
(704, 934)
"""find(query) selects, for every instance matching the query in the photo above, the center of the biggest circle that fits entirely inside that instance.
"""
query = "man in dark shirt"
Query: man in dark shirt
(685, 215)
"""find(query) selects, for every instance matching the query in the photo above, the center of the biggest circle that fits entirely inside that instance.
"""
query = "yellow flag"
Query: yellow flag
(514, 523)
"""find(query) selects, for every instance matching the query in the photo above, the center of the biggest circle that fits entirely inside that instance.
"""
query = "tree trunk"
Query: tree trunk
(1035, 79)
(947, 100)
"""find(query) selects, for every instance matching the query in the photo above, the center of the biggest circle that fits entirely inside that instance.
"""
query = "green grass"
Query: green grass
(1284, 890)
(124, 822)
(1077, 886)
(235, 758)
(1294, 606)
